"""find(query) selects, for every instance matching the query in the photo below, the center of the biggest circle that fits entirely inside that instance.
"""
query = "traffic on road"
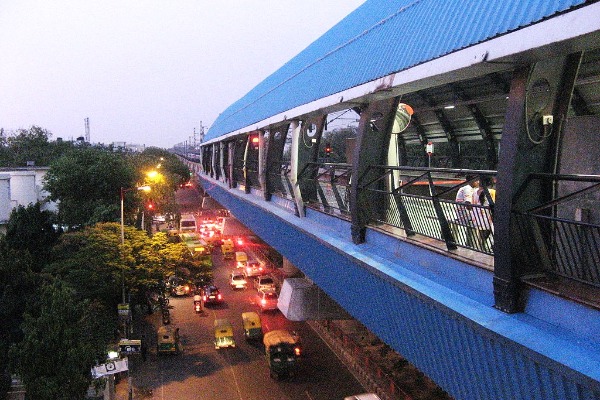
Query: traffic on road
(228, 340)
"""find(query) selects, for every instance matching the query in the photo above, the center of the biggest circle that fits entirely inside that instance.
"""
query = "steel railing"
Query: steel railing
(563, 235)
(331, 182)
(421, 201)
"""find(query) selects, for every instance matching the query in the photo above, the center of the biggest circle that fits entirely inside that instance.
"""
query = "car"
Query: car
(237, 280)
(183, 289)
(264, 282)
(267, 299)
(179, 286)
(211, 295)
(159, 218)
(254, 268)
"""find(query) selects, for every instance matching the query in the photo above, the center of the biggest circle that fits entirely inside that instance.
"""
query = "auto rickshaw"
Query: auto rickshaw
(252, 326)
(282, 352)
(168, 340)
(223, 334)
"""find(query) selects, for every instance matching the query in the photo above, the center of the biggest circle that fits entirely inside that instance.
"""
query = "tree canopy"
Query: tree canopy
(63, 338)
(86, 184)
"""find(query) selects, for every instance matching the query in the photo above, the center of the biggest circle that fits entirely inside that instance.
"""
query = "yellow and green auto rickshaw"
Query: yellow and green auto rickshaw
(252, 326)
(168, 340)
(223, 334)
(282, 351)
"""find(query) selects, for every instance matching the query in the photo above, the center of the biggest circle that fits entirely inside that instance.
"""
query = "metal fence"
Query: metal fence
(563, 234)
(422, 201)
(331, 183)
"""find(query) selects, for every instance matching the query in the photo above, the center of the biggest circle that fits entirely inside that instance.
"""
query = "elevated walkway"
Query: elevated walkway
(435, 310)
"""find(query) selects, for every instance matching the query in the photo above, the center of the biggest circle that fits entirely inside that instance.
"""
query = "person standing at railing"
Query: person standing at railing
(464, 211)
(464, 200)
(482, 217)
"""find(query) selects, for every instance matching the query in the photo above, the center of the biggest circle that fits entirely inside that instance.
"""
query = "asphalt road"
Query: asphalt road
(240, 373)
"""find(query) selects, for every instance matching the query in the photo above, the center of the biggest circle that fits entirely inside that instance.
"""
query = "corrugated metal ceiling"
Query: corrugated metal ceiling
(379, 38)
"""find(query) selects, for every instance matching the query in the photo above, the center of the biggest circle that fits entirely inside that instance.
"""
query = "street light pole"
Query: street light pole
(145, 188)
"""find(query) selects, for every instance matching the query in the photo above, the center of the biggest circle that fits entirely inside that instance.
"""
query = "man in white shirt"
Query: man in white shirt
(465, 196)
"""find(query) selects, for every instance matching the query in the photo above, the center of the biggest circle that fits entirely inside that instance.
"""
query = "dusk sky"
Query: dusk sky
(145, 71)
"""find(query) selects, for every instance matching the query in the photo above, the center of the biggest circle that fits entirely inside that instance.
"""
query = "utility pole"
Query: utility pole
(87, 129)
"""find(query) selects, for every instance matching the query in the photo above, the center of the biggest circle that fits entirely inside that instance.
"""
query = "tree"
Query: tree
(338, 140)
(30, 229)
(64, 338)
(17, 287)
(86, 183)
(170, 173)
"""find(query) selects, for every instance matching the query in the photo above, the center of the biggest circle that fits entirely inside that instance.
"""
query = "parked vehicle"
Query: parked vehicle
(223, 334)
(264, 282)
(252, 326)
(211, 295)
(267, 299)
(237, 280)
(281, 354)
(167, 340)
(182, 288)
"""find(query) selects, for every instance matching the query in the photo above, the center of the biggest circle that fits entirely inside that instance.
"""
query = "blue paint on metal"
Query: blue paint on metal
(470, 349)
(380, 38)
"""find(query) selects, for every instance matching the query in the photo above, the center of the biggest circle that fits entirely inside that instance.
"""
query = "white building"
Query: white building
(22, 186)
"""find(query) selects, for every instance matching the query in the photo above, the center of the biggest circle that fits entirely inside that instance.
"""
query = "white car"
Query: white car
(159, 218)
(264, 282)
(267, 299)
(237, 280)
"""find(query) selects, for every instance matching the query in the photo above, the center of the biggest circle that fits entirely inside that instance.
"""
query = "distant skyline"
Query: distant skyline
(145, 72)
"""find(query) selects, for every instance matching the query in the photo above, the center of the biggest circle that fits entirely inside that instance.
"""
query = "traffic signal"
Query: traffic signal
(150, 205)
(254, 141)
(327, 149)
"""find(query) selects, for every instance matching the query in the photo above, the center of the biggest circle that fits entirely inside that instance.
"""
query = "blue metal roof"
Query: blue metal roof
(379, 38)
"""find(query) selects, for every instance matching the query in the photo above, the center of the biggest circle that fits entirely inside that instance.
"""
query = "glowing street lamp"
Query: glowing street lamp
(145, 188)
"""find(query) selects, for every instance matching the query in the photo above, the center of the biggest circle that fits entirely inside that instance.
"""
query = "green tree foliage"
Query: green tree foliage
(64, 337)
(30, 229)
(31, 144)
(87, 185)
(338, 140)
(17, 287)
(90, 262)
(170, 173)
(177, 260)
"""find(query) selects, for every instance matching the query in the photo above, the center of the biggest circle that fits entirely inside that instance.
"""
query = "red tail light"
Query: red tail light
(263, 301)
(204, 297)
(220, 297)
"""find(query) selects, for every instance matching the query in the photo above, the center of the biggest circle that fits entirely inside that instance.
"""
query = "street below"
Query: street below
(202, 372)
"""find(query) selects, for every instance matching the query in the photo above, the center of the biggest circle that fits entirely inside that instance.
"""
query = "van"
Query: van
(223, 334)
(241, 258)
(252, 326)
(187, 223)
(227, 249)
